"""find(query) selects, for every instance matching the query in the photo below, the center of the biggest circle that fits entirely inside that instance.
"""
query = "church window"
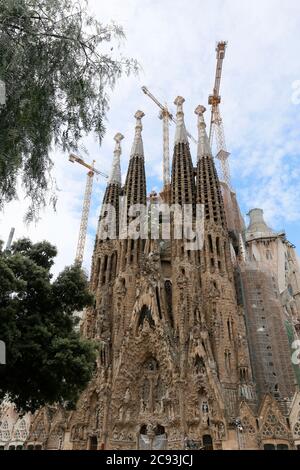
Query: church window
(297, 429)
(210, 243)
(105, 262)
(145, 314)
(218, 246)
(243, 374)
(229, 330)
(271, 418)
(158, 302)
(22, 425)
(199, 364)
(168, 289)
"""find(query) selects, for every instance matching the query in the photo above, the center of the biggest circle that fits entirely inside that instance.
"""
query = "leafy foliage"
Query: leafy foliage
(47, 361)
(57, 64)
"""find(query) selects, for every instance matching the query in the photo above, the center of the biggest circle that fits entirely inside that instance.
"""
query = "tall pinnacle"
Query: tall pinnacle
(182, 181)
(208, 185)
(115, 176)
(204, 149)
(137, 147)
(135, 184)
(180, 135)
(111, 195)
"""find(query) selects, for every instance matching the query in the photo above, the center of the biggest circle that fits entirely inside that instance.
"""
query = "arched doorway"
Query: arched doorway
(152, 437)
(207, 442)
(93, 443)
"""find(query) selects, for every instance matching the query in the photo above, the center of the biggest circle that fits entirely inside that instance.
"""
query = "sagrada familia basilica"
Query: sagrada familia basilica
(198, 347)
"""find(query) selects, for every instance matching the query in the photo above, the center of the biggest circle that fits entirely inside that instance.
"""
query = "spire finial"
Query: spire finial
(179, 100)
(180, 135)
(137, 147)
(200, 110)
(118, 137)
(139, 115)
(115, 176)
(204, 149)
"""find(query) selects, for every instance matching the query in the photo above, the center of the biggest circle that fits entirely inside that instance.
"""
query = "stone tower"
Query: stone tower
(224, 319)
(270, 280)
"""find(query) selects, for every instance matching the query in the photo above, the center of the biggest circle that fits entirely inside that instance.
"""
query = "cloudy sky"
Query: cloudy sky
(174, 41)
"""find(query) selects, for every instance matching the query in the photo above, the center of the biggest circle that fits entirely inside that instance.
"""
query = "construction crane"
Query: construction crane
(86, 204)
(216, 123)
(166, 116)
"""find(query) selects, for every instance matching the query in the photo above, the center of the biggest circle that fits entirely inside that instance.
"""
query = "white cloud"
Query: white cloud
(174, 42)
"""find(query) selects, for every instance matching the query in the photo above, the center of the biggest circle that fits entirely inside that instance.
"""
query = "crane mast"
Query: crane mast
(216, 122)
(164, 115)
(86, 204)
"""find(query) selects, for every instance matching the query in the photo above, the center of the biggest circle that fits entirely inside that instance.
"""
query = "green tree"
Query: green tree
(58, 64)
(46, 359)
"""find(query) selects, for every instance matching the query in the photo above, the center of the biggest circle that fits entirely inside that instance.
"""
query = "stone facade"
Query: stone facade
(174, 369)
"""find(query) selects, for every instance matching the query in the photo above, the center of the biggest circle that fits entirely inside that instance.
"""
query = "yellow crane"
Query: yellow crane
(216, 123)
(166, 116)
(86, 204)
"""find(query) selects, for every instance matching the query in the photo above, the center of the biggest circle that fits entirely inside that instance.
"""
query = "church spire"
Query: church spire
(204, 149)
(135, 184)
(112, 191)
(134, 191)
(182, 184)
(208, 185)
(115, 176)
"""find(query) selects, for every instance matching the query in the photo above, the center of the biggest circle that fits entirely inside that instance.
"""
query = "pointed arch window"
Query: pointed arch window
(168, 290)
(146, 315)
